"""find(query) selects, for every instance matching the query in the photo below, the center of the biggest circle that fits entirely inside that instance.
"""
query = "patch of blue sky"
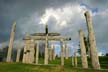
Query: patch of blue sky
(93, 9)
(102, 50)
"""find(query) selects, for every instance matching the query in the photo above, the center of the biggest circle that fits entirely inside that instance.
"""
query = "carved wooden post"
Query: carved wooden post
(18, 52)
(73, 60)
(67, 51)
(37, 52)
(27, 58)
(50, 52)
(32, 45)
(83, 50)
(11, 43)
(46, 50)
(93, 50)
(62, 53)
(26, 54)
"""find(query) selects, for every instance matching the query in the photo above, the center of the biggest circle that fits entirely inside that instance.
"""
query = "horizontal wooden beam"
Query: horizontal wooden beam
(49, 38)
(44, 34)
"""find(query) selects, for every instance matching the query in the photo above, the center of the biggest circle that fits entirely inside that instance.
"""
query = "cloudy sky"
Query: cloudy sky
(63, 16)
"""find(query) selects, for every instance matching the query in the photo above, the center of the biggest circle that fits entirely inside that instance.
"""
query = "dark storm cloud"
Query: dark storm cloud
(11, 10)
(100, 23)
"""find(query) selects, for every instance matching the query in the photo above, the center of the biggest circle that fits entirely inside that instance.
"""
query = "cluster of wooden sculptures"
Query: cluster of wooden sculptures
(28, 54)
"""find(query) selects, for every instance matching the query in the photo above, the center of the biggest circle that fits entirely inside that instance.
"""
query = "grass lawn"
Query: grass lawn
(19, 67)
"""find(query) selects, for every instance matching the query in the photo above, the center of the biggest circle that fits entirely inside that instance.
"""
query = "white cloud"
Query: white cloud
(63, 15)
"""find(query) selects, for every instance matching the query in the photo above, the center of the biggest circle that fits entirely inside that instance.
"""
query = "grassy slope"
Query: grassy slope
(103, 62)
(18, 67)
(15, 67)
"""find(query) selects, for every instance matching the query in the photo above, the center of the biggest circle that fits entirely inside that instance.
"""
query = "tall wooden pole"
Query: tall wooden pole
(50, 53)
(73, 64)
(83, 50)
(25, 52)
(67, 52)
(27, 58)
(32, 51)
(11, 43)
(37, 52)
(62, 53)
(93, 50)
(46, 51)
(73, 61)
(75, 58)
(18, 52)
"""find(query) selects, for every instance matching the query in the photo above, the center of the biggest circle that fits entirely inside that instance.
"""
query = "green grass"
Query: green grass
(19, 67)
(104, 62)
